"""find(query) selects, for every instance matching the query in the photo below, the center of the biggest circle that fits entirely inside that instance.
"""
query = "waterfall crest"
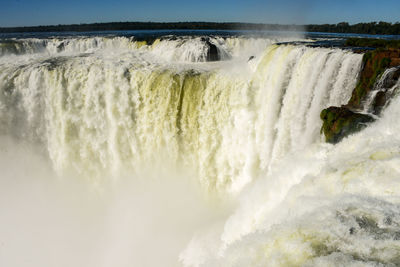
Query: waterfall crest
(231, 121)
(246, 127)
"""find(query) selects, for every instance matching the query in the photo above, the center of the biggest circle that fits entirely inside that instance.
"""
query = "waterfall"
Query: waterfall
(116, 151)
(323, 206)
(229, 120)
(387, 85)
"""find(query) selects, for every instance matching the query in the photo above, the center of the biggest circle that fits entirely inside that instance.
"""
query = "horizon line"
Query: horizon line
(187, 22)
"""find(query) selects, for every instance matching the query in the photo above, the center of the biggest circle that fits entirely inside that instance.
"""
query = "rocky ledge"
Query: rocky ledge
(338, 122)
(341, 121)
(212, 50)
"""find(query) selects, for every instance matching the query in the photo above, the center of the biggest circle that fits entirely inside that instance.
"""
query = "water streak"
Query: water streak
(230, 120)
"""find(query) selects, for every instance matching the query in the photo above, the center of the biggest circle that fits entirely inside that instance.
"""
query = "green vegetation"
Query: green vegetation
(375, 63)
(125, 26)
(373, 43)
(362, 28)
(338, 122)
(343, 27)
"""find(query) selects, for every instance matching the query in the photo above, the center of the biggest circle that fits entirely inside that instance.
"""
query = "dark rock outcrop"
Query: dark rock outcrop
(212, 50)
(338, 122)
(61, 47)
(379, 102)
(386, 91)
(374, 64)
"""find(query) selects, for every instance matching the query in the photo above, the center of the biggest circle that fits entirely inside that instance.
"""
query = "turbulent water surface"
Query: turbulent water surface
(121, 152)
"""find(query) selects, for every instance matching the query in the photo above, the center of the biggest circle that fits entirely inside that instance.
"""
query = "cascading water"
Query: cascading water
(388, 84)
(229, 120)
(324, 206)
(247, 127)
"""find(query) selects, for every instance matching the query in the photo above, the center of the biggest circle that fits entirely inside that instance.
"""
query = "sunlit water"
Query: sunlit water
(117, 152)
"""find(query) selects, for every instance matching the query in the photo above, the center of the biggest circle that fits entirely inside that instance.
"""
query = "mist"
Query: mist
(48, 220)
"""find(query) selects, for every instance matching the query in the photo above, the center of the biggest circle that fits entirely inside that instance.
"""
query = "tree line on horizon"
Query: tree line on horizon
(342, 27)
(381, 27)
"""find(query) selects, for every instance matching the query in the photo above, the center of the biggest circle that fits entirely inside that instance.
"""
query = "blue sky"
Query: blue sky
(46, 12)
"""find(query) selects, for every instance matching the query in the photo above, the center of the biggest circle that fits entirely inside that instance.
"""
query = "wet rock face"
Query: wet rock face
(374, 65)
(392, 79)
(387, 90)
(379, 102)
(339, 122)
(212, 50)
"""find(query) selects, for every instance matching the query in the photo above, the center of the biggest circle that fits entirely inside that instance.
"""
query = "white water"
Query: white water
(168, 49)
(105, 110)
(381, 87)
(229, 120)
(325, 206)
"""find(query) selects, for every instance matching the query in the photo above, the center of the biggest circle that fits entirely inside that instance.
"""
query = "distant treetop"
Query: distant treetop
(342, 27)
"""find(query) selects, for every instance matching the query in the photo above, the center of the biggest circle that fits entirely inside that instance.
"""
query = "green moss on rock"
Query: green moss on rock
(338, 122)
(374, 65)
(372, 43)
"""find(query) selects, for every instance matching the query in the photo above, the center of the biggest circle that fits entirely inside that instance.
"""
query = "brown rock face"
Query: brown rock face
(374, 64)
(341, 121)
(338, 122)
